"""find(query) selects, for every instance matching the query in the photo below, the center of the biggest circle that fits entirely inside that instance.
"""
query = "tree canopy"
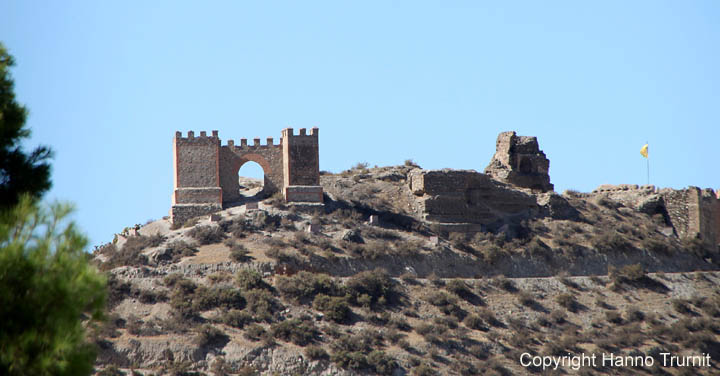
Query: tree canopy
(49, 293)
(20, 172)
(47, 287)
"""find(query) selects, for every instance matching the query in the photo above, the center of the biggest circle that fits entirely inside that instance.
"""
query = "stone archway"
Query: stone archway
(229, 176)
(251, 178)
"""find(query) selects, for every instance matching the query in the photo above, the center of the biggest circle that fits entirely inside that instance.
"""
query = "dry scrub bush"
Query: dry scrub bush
(304, 286)
(296, 331)
(207, 234)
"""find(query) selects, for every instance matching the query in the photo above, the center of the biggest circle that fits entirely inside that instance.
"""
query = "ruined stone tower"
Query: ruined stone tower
(206, 172)
(519, 161)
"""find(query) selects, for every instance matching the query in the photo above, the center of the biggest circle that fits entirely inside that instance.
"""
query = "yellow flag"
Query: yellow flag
(644, 151)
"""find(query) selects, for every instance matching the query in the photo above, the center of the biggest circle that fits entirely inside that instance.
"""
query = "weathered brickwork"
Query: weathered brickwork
(466, 196)
(695, 213)
(692, 212)
(303, 160)
(234, 156)
(519, 161)
(206, 172)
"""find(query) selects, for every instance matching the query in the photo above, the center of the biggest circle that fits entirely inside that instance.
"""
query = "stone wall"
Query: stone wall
(301, 157)
(233, 157)
(692, 212)
(696, 212)
(206, 173)
(519, 161)
(196, 175)
(301, 166)
(467, 196)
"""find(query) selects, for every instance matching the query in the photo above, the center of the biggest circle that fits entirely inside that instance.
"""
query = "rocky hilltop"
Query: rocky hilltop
(408, 271)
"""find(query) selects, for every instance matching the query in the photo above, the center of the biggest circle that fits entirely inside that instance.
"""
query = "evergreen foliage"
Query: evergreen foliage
(19, 172)
(48, 293)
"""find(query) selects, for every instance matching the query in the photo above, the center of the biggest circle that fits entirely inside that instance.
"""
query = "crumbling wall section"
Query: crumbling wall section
(692, 212)
(709, 217)
(696, 212)
(467, 196)
(519, 161)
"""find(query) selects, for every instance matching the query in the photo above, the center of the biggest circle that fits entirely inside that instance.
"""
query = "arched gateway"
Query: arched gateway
(206, 172)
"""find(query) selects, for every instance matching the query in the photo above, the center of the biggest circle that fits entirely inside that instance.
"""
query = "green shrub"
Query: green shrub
(459, 288)
(381, 363)
(205, 298)
(178, 249)
(129, 255)
(262, 220)
(475, 322)
(296, 331)
(149, 297)
(117, 290)
(349, 360)
(440, 298)
(210, 336)
(611, 241)
(376, 285)
(424, 370)
(181, 296)
(568, 301)
(304, 286)
(248, 279)
(171, 280)
(219, 277)
(207, 234)
(188, 300)
(261, 304)
(314, 352)
(254, 332)
(334, 308)
(446, 303)
(489, 317)
(238, 252)
(399, 323)
(236, 318)
(237, 226)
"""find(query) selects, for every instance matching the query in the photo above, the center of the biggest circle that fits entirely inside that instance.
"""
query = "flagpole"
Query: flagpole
(648, 163)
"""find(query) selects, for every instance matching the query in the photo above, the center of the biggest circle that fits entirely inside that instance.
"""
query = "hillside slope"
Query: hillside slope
(366, 285)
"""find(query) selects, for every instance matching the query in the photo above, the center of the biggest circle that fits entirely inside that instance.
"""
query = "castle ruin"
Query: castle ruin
(515, 185)
(206, 172)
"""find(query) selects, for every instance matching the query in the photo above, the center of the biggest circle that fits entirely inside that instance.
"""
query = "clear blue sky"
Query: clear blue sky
(108, 83)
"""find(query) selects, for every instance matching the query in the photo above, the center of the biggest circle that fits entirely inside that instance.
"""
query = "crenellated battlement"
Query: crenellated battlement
(288, 132)
(202, 137)
(206, 172)
(269, 142)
